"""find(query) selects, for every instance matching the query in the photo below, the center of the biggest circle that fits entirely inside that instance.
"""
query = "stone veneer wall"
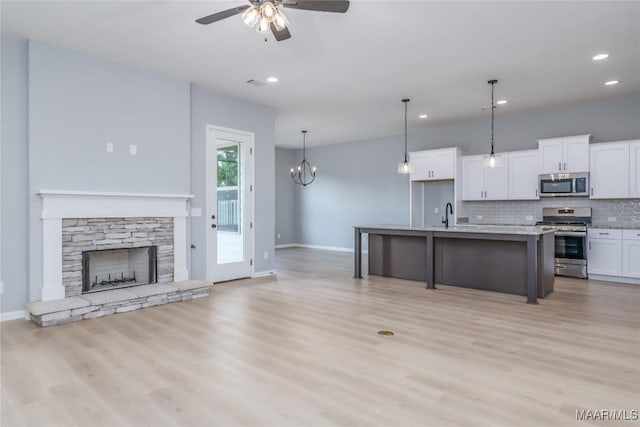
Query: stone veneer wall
(625, 211)
(93, 234)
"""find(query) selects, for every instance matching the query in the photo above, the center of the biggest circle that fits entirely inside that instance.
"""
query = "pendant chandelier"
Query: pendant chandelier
(404, 166)
(493, 159)
(262, 15)
(304, 174)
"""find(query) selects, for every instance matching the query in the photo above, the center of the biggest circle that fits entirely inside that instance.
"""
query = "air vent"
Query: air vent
(256, 83)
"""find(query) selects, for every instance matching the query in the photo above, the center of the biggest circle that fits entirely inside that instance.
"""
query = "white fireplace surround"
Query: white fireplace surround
(57, 205)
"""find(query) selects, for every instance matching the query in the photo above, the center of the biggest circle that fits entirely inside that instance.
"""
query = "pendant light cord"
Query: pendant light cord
(304, 145)
(493, 107)
(406, 101)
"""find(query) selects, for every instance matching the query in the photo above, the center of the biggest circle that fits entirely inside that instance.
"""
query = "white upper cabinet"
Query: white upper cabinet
(634, 169)
(524, 168)
(484, 183)
(433, 165)
(564, 155)
(473, 178)
(609, 170)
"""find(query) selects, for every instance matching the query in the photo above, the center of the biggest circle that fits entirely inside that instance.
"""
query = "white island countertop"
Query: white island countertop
(485, 229)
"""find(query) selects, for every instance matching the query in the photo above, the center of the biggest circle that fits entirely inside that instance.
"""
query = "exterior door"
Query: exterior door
(230, 183)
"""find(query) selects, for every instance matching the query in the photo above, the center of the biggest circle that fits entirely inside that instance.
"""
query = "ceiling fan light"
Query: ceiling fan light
(263, 26)
(280, 21)
(268, 10)
(251, 16)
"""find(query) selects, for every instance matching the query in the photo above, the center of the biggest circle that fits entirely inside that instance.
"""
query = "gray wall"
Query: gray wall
(209, 108)
(14, 227)
(78, 103)
(357, 182)
(285, 196)
(61, 107)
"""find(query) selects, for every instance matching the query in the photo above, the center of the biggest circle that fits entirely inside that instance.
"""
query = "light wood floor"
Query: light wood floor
(302, 349)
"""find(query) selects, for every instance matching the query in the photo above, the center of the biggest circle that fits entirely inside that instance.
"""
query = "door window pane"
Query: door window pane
(229, 188)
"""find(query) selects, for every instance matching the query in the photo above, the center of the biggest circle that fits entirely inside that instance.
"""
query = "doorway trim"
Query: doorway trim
(211, 151)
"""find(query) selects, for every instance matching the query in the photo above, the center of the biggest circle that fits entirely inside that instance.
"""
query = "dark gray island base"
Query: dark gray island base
(515, 260)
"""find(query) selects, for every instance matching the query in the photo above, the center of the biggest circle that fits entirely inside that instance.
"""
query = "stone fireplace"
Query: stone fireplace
(76, 222)
(111, 253)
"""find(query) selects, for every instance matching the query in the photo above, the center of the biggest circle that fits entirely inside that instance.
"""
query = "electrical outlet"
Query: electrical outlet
(612, 219)
(278, 236)
(109, 147)
(266, 255)
(1, 288)
(436, 210)
(478, 216)
(529, 217)
(133, 150)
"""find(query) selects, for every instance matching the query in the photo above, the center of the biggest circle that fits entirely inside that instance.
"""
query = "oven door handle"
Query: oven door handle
(571, 233)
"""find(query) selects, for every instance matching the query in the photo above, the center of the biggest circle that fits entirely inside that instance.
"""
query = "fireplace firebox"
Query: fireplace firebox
(119, 268)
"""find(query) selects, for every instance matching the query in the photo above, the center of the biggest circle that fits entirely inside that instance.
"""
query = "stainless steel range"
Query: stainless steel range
(570, 225)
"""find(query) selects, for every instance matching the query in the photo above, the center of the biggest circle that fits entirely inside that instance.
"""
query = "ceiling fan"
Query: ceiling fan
(265, 15)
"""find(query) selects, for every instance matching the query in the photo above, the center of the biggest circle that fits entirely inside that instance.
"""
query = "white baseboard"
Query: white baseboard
(616, 279)
(288, 245)
(12, 315)
(324, 248)
(266, 273)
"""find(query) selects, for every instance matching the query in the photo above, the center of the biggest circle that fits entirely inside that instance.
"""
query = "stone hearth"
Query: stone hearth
(98, 304)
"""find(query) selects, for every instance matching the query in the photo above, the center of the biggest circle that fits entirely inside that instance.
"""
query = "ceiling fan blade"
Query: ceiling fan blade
(340, 6)
(280, 35)
(206, 20)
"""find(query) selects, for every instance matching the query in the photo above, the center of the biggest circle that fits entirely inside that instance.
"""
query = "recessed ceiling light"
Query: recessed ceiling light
(502, 102)
(272, 79)
(611, 83)
(423, 116)
(600, 56)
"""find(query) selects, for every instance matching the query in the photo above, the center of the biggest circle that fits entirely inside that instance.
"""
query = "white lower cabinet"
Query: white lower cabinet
(631, 253)
(614, 253)
(604, 252)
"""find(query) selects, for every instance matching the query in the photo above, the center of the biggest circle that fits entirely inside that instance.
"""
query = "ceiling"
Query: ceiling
(342, 76)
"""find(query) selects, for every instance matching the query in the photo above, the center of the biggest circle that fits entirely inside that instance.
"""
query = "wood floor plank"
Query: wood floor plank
(302, 349)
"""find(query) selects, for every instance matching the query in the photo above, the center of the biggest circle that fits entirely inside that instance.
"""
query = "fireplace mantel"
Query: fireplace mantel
(59, 204)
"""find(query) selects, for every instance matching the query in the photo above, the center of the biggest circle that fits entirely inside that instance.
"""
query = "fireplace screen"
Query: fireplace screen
(118, 268)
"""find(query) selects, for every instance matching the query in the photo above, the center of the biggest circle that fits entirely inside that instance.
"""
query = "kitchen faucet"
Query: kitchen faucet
(448, 209)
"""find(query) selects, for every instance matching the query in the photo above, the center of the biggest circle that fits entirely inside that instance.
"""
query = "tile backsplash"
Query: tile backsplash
(613, 213)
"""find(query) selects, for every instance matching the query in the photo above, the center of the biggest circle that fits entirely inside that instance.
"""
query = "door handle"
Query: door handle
(213, 226)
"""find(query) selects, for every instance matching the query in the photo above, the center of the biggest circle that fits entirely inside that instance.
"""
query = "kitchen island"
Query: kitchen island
(510, 259)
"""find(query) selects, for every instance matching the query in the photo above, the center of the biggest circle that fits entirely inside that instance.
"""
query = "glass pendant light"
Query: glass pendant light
(268, 10)
(404, 166)
(492, 160)
(280, 21)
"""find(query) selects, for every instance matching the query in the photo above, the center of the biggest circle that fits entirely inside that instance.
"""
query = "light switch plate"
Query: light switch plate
(109, 147)
(612, 219)
(529, 217)
(478, 216)
(1, 288)
(266, 255)
(133, 150)
(278, 236)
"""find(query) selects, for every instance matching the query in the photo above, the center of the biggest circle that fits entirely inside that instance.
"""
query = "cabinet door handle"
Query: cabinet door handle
(559, 166)
(603, 234)
(565, 165)
(589, 245)
(592, 191)
(536, 192)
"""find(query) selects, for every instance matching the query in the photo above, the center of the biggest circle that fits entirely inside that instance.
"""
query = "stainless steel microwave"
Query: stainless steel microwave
(564, 184)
